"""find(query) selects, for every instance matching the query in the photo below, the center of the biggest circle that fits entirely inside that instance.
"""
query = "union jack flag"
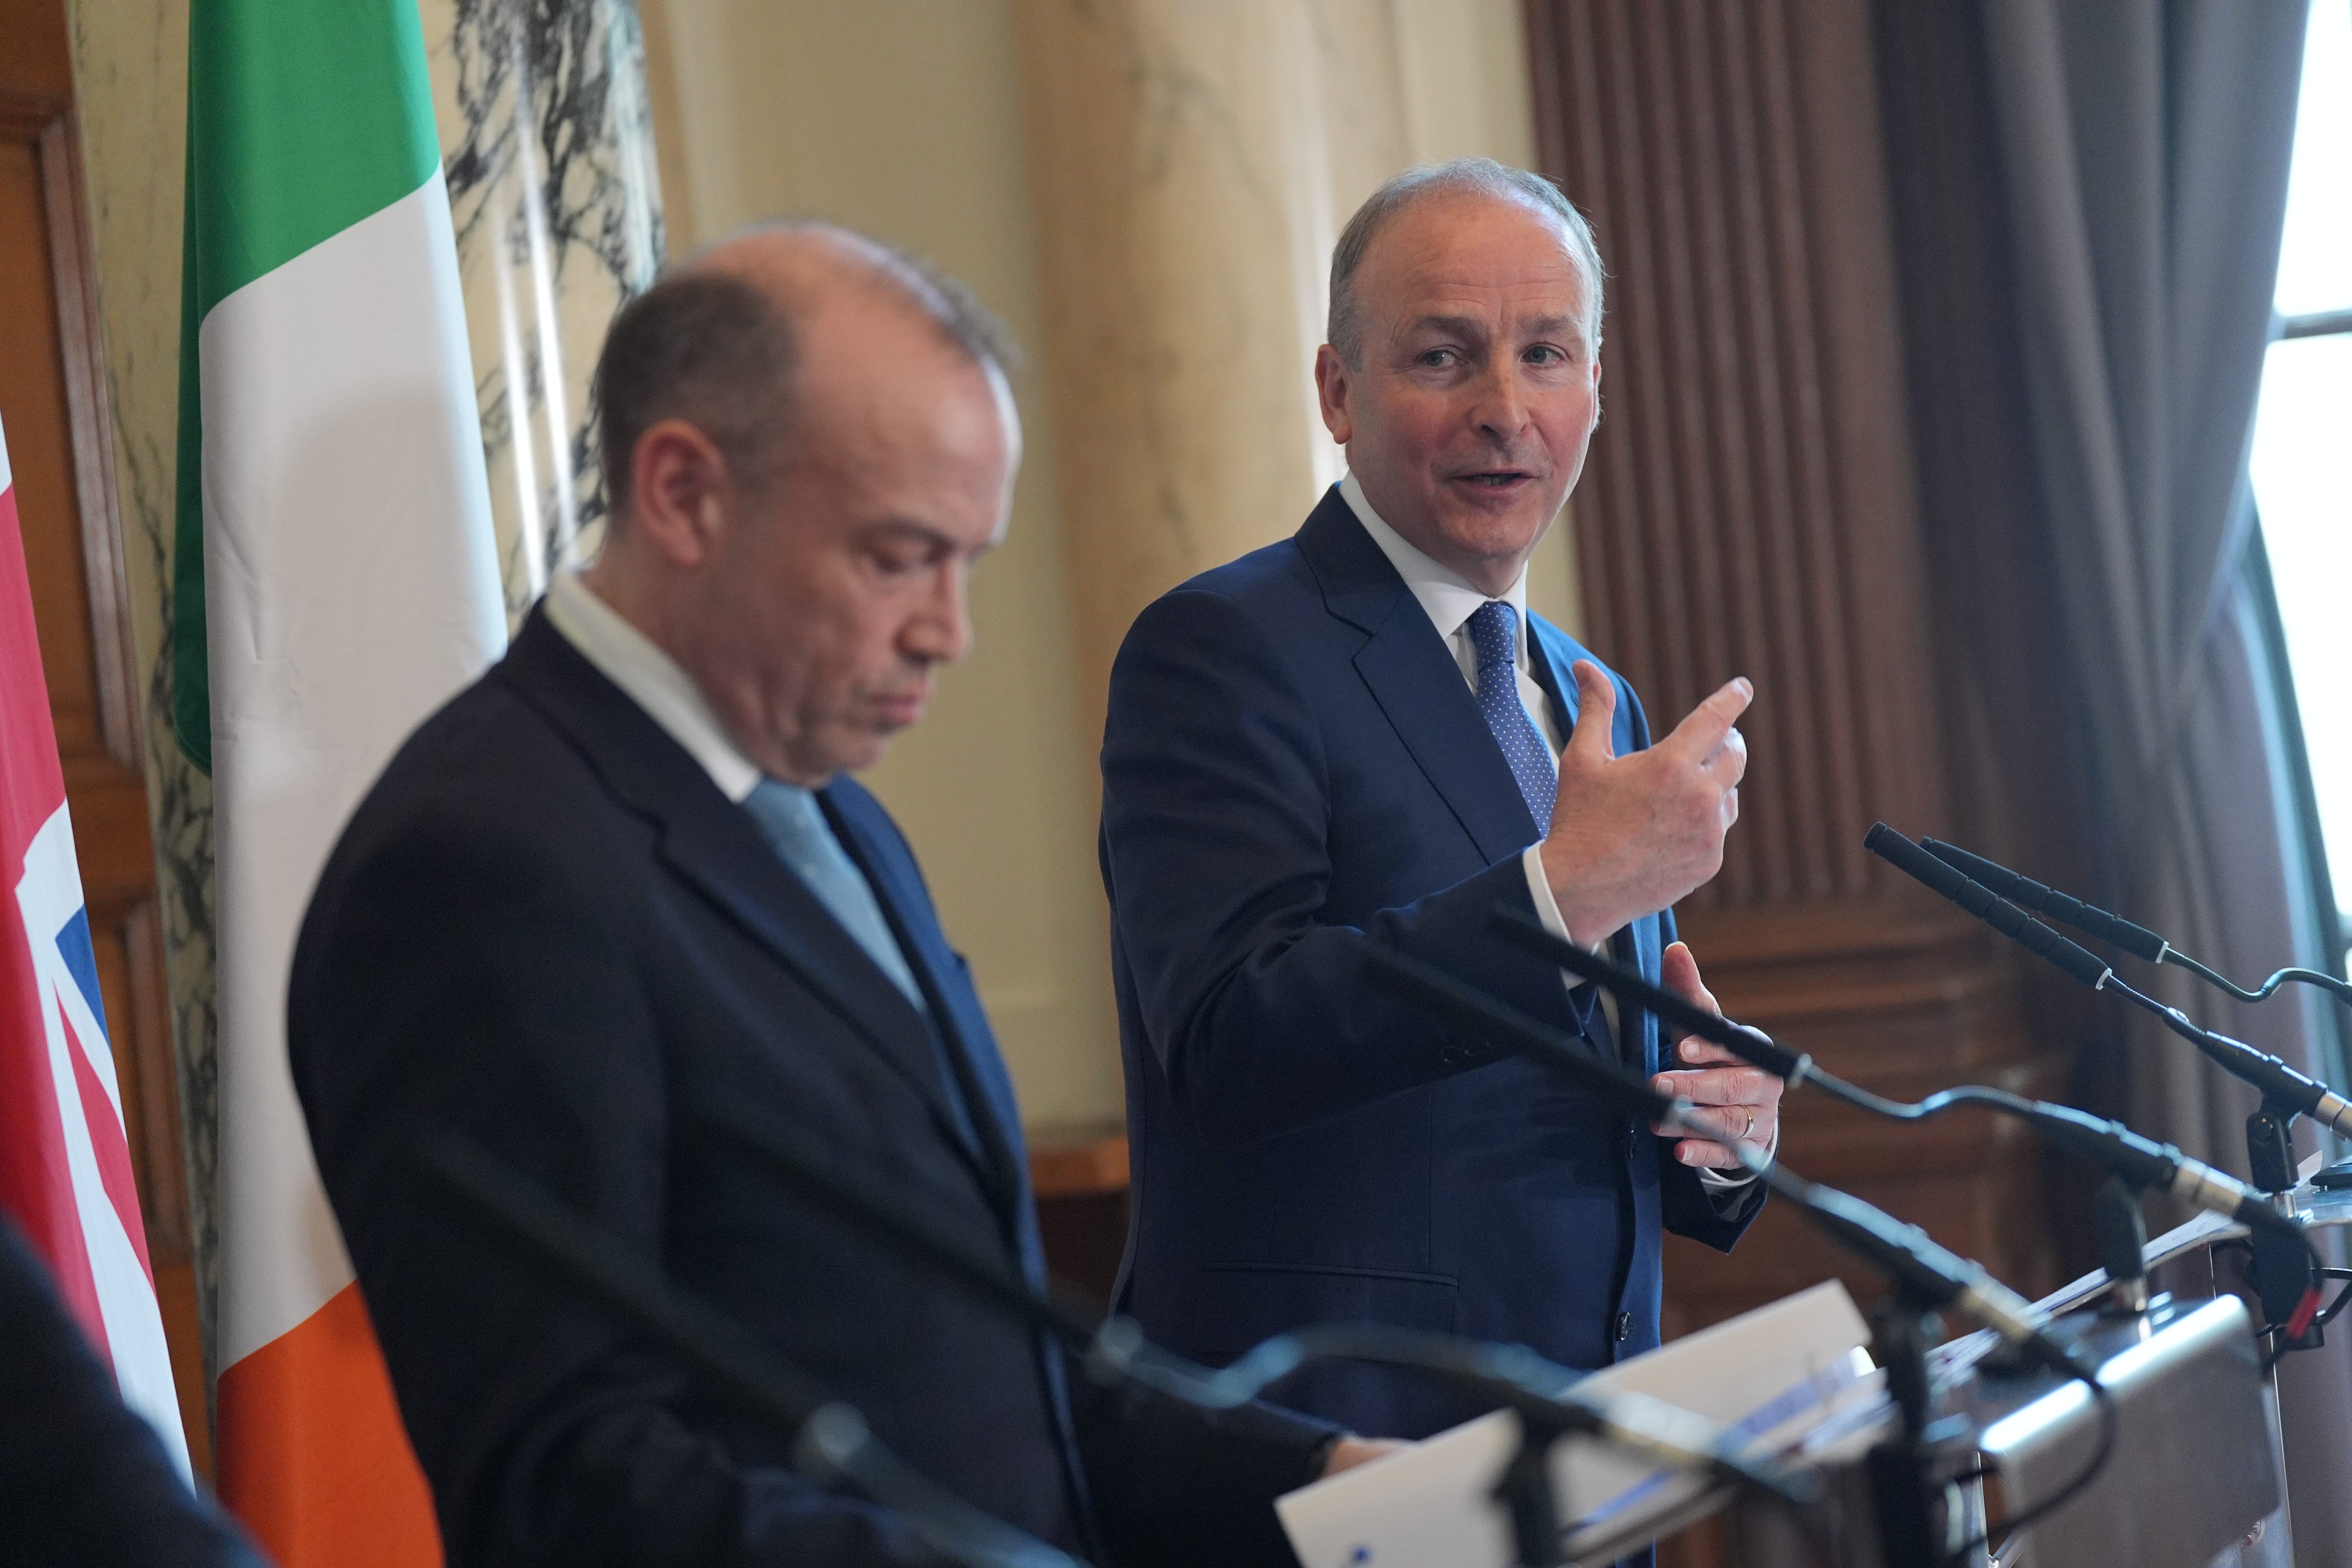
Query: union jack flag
(65, 1159)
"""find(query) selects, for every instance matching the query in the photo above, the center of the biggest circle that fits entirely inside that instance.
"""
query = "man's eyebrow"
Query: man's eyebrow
(1471, 327)
(1450, 326)
(896, 527)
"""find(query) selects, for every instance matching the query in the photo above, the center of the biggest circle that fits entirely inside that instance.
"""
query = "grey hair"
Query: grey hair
(1482, 176)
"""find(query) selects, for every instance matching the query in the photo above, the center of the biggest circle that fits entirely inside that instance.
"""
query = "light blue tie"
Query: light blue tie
(1494, 632)
(794, 822)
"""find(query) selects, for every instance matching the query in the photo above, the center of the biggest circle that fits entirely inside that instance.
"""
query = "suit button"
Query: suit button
(1625, 1325)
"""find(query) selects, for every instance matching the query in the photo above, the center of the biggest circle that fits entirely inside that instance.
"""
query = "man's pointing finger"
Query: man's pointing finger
(1703, 730)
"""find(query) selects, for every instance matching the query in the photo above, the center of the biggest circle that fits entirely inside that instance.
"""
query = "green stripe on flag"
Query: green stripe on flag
(304, 117)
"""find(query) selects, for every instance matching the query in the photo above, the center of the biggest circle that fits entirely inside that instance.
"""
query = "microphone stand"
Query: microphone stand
(832, 1443)
(2281, 1245)
(1927, 1278)
(1114, 1349)
(1897, 1467)
(2286, 1273)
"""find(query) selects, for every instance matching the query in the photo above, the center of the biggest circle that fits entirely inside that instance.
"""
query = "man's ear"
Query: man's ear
(677, 488)
(1334, 382)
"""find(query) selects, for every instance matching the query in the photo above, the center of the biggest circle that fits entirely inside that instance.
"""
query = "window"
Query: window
(2302, 457)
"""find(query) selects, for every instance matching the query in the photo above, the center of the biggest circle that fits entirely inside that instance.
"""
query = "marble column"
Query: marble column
(548, 143)
(548, 148)
(1192, 163)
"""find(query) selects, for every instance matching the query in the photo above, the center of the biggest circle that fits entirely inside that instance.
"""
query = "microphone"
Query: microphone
(2079, 962)
(2142, 1162)
(1921, 1269)
(1115, 1348)
(2136, 940)
(2278, 1083)
(832, 1443)
(2138, 1160)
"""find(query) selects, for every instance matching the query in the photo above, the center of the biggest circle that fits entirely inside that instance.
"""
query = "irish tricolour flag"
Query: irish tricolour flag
(336, 581)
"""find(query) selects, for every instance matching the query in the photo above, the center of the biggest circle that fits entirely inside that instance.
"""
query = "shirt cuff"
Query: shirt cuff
(1539, 889)
(1728, 1181)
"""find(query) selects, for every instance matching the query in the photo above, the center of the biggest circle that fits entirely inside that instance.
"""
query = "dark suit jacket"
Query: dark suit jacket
(83, 1479)
(546, 928)
(1294, 774)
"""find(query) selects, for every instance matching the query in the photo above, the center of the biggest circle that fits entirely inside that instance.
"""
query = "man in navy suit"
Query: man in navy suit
(1351, 740)
(627, 871)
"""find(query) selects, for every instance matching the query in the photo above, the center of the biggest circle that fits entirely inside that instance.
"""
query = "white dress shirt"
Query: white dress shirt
(653, 681)
(1450, 600)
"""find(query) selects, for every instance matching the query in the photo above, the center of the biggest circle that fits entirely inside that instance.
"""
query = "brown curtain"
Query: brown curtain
(2142, 147)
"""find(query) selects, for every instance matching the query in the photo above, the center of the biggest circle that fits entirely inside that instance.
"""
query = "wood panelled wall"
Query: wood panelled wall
(53, 405)
(1752, 506)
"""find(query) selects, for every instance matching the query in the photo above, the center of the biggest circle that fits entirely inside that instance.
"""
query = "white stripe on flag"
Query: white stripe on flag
(352, 588)
(49, 896)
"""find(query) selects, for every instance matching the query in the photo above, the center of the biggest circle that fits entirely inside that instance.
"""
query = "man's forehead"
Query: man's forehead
(1478, 251)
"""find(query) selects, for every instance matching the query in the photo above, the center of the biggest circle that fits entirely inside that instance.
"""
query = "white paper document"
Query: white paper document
(1769, 1374)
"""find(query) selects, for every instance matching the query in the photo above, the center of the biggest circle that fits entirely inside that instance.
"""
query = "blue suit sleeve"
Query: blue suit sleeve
(1216, 812)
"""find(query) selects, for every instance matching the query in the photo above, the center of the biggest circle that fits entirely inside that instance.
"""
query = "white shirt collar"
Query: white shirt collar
(652, 679)
(1448, 597)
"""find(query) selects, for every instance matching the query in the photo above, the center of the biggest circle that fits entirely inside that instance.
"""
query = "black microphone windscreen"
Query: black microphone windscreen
(2092, 921)
(1980, 901)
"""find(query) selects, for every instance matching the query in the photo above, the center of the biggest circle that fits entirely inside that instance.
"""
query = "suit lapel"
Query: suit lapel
(1550, 671)
(1415, 679)
(956, 1011)
(713, 845)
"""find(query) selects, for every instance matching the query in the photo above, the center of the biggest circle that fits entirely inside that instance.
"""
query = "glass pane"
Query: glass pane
(2303, 488)
(2315, 254)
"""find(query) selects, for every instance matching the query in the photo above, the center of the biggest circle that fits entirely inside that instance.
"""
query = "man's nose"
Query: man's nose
(939, 632)
(1501, 410)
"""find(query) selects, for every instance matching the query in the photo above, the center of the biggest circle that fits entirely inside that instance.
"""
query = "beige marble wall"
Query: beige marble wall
(1194, 164)
(1148, 192)
(548, 143)
(903, 118)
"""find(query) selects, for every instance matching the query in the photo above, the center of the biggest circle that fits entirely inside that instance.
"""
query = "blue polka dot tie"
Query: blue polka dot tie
(1494, 632)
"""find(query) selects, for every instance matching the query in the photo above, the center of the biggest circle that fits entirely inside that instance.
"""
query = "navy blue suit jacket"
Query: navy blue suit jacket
(1294, 774)
(547, 928)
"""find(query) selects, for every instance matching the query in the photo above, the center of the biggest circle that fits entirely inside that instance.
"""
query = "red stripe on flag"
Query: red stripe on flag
(106, 1137)
(35, 1182)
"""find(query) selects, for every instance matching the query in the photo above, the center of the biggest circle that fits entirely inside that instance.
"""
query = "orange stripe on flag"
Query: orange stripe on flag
(313, 1457)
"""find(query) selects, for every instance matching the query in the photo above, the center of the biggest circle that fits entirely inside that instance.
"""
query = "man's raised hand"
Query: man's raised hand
(1629, 835)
